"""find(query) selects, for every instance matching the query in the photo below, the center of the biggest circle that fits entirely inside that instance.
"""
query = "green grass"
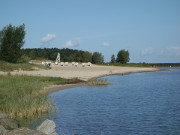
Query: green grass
(97, 83)
(23, 97)
(6, 67)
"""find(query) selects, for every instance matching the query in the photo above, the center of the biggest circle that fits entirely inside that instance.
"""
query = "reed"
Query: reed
(97, 82)
(23, 97)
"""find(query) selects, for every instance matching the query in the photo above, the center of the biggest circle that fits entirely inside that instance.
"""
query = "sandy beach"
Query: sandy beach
(82, 73)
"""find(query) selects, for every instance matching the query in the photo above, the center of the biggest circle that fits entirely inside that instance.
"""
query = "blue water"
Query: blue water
(135, 104)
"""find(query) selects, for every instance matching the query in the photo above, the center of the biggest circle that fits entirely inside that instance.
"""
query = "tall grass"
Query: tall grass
(5, 66)
(23, 97)
(97, 83)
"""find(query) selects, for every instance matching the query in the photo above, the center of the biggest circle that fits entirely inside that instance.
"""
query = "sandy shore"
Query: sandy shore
(82, 73)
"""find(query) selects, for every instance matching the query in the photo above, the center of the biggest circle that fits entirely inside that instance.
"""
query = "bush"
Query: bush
(24, 59)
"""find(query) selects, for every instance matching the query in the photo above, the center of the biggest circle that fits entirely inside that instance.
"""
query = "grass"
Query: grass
(97, 83)
(6, 67)
(22, 97)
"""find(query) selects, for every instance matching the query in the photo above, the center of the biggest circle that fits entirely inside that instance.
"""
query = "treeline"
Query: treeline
(12, 41)
(66, 54)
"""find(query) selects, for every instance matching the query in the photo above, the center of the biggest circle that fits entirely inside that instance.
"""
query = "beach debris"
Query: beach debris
(7, 122)
(47, 127)
(83, 64)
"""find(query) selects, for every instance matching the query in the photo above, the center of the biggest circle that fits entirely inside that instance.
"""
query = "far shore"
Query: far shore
(82, 73)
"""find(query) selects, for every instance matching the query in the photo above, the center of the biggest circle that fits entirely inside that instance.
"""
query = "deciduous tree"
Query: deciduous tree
(11, 42)
(123, 57)
(113, 60)
(97, 58)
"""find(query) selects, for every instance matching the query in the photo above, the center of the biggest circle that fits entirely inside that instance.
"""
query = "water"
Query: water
(140, 103)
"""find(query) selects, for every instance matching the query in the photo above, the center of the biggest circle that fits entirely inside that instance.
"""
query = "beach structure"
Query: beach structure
(62, 63)
(56, 63)
(57, 59)
(83, 64)
(73, 63)
(89, 63)
(76, 64)
(66, 63)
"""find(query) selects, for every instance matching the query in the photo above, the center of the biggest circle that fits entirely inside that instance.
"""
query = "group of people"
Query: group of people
(46, 63)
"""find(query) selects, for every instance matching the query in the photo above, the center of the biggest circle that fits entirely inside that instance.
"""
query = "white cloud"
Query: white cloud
(49, 37)
(74, 43)
(147, 51)
(105, 44)
(173, 50)
(69, 44)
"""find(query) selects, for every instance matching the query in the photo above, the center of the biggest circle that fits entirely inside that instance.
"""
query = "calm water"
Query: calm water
(141, 103)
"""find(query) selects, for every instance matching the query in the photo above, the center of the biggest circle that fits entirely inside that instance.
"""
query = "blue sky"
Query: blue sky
(148, 29)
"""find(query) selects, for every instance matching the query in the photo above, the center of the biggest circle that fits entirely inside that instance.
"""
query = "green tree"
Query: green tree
(11, 42)
(79, 56)
(71, 58)
(123, 57)
(32, 54)
(42, 53)
(87, 57)
(97, 58)
(113, 60)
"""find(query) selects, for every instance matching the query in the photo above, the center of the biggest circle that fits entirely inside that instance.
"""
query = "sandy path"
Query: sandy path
(83, 73)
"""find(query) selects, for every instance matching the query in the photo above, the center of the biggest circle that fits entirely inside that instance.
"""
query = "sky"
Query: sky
(148, 29)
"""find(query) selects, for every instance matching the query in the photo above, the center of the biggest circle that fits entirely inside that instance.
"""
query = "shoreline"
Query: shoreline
(81, 73)
(85, 74)
(55, 88)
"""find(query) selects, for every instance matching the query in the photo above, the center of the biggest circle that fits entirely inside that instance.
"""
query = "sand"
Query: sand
(82, 73)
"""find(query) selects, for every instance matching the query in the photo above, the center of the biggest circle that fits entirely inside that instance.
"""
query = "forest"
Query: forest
(66, 54)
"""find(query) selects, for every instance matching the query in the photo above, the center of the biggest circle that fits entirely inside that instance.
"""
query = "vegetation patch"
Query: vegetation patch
(97, 83)
(6, 66)
(23, 97)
